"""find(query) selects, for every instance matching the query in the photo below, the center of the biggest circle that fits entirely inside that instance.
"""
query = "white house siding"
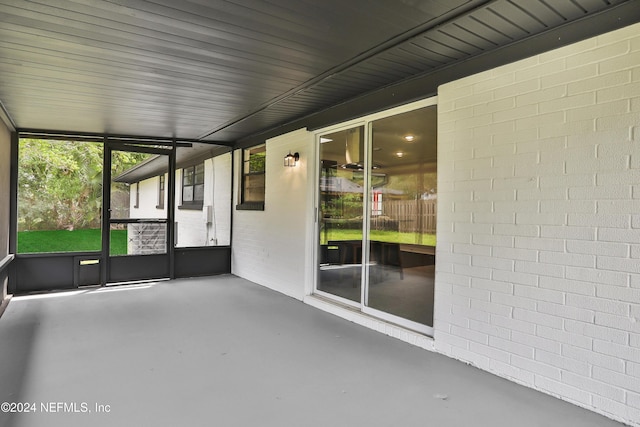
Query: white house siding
(269, 246)
(193, 229)
(148, 200)
(538, 258)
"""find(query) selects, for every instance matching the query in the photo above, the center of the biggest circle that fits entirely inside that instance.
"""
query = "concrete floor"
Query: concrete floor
(225, 352)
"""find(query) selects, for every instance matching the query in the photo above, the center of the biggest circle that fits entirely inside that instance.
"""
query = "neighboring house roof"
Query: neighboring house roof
(337, 184)
(158, 165)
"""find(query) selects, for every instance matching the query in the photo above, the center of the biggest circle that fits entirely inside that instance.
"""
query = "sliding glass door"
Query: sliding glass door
(341, 203)
(377, 216)
(402, 216)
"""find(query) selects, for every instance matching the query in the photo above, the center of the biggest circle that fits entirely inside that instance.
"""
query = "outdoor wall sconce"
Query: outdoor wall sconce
(291, 160)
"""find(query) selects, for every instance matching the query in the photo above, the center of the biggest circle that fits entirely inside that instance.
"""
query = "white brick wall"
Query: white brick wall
(270, 247)
(538, 272)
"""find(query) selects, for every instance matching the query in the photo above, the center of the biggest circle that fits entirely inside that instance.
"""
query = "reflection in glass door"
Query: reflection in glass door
(402, 222)
(377, 217)
(340, 213)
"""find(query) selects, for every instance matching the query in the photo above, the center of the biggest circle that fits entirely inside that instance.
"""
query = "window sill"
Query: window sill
(194, 207)
(250, 206)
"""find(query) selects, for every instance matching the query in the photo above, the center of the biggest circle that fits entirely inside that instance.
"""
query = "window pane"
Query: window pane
(257, 159)
(187, 176)
(59, 196)
(403, 215)
(198, 194)
(187, 194)
(341, 204)
(199, 177)
(253, 175)
(254, 188)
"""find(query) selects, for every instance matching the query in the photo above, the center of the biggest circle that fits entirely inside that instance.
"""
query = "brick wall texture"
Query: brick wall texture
(269, 246)
(538, 273)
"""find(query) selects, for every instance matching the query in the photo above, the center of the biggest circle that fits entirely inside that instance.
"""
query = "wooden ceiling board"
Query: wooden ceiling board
(114, 44)
(461, 46)
(517, 16)
(415, 55)
(565, 9)
(226, 69)
(438, 50)
(589, 6)
(546, 14)
(465, 35)
(494, 23)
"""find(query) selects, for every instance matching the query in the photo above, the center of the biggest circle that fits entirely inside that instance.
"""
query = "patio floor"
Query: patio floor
(222, 351)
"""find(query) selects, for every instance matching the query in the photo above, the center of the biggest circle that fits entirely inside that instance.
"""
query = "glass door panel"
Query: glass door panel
(137, 222)
(402, 223)
(341, 203)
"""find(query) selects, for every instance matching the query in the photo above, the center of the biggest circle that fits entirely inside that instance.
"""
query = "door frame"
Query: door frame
(365, 121)
(135, 265)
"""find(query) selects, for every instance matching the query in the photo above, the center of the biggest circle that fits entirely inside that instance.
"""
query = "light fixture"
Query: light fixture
(409, 138)
(291, 160)
(399, 154)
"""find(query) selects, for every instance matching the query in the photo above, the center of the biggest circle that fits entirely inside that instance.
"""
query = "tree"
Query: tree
(60, 183)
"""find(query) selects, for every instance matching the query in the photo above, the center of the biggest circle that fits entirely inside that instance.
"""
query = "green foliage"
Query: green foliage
(411, 186)
(88, 240)
(379, 236)
(257, 162)
(344, 205)
(123, 160)
(60, 183)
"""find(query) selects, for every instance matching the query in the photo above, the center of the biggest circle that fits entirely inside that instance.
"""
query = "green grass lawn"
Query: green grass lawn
(380, 236)
(70, 241)
(90, 240)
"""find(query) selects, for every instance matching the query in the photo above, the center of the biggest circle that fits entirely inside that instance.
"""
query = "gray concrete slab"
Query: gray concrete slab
(225, 352)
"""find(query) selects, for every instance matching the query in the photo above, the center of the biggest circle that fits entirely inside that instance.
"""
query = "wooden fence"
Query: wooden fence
(412, 216)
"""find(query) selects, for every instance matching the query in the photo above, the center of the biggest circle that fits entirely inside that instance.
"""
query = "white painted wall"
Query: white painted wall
(219, 197)
(148, 200)
(269, 247)
(5, 167)
(538, 258)
(192, 229)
